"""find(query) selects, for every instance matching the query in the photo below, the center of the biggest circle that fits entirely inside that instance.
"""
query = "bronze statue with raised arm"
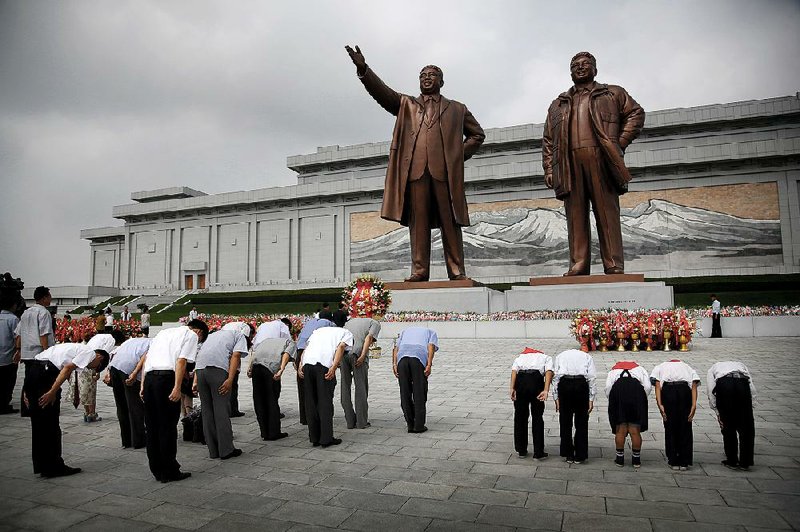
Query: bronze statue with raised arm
(585, 135)
(424, 188)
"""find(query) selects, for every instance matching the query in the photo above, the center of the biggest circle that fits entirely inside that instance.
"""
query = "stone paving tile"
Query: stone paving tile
(395, 473)
(725, 515)
(176, 493)
(664, 525)
(352, 483)
(373, 502)
(602, 523)
(656, 510)
(371, 521)
(234, 522)
(104, 523)
(177, 516)
(696, 481)
(305, 494)
(46, 518)
(118, 505)
(311, 514)
(790, 487)
(67, 498)
(568, 503)
(450, 510)
(489, 496)
(600, 489)
(438, 525)
(416, 489)
(521, 517)
(555, 470)
(529, 484)
(242, 503)
(685, 495)
(775, 501)
(475, 480)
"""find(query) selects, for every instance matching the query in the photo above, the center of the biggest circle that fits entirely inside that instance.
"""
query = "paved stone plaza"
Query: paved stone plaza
(463, 474)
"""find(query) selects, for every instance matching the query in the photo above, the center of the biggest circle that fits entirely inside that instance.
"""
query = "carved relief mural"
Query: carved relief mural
(726, 226)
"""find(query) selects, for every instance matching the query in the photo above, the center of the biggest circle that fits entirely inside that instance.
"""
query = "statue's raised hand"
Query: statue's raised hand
(358, 59)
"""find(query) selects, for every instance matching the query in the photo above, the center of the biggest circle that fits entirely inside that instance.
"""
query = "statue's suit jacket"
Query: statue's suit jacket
(455, 123)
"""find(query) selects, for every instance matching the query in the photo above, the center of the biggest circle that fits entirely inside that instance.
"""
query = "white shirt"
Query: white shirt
(129, 353)
(168, 346)
(322, 345)
(193, 314)
(34, 323)
(238, 326)
(638, 373)
(271, 329)
(533, 361)
(216, 351)
(109, 320)
(719, 370)
(715, 306)
(125, 315)
(574, 362)
(674, 371)
(104, 342)
(144, 319)
(59, 355)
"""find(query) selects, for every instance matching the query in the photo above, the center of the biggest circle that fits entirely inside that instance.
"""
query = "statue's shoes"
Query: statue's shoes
(616, 270)
(461, 277)
(571, 273)
(416, 279)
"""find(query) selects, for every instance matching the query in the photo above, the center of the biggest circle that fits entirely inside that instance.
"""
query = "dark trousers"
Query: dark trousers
(716, 326)
(216, 412)
(735, 407)
(591, 184)
(45, 429)
(234, 398)
(161, 418)
(528, 386)
(8, 379)
(413, 391)
(266, 393)
(573, 403)
(319, 403)
(358, 416)
(677, 401)
(429, 202)
(130, 410)
(301, 390)
(24, 411)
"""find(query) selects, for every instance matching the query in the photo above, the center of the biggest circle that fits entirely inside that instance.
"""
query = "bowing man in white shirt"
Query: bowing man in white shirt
(318, 364)
(627, 386)
(218, 364)
(731, 394)
(164, 368)
(676, 394)
(574, 391)
(245, 329)
(531, 374)
(42, 394)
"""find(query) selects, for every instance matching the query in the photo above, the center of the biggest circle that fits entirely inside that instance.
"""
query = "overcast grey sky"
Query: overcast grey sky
(102, 98)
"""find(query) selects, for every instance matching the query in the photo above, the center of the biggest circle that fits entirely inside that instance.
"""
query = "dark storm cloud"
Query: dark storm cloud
(99, 99)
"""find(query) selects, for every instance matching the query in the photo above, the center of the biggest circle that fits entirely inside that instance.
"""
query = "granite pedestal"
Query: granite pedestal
(587, 295)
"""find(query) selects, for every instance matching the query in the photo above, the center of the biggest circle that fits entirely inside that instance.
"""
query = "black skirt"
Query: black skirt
(627, 403)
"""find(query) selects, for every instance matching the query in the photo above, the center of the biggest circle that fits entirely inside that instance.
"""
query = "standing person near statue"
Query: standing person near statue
(318, 364)
(574, 391)
(144, 321)
(302, 341)
(731, 394)
(355, 367)
(218, 364)
(34, 333)
(676, 385)
(412, 362)
(9, 351)
(531, 374)
(164, 367)
(586, 132)
(424, 188)
(627, 387)
(716, 321)
(42, 393)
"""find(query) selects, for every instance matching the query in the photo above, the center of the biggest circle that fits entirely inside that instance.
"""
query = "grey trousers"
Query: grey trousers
(216, 411)
(349, 372)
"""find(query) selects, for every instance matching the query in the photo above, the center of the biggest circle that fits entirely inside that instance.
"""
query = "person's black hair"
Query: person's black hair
(199, 324)
(288, 322)
(40, 292)
(103, 361)
(714, 296)
(326, 305)
(119, 336)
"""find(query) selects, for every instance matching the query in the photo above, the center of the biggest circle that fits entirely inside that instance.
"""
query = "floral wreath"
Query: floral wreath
(366, 297)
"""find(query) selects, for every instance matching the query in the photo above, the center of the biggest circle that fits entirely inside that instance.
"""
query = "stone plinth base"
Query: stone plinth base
(478, 299)
(588, 295)
(427, 285)
(587, 279)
